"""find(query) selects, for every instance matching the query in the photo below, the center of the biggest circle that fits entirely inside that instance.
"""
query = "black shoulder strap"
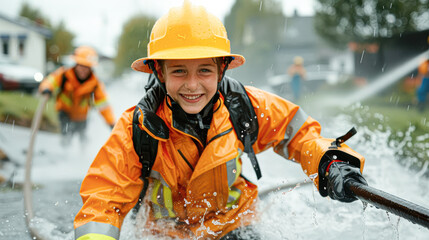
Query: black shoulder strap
(146, 148)
(243, 117)
(145, 145)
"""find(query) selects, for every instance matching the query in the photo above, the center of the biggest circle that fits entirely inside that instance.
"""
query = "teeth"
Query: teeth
(191, 97)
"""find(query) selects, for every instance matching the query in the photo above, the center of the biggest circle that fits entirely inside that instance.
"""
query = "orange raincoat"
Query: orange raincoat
(75, 98)
(208, 201)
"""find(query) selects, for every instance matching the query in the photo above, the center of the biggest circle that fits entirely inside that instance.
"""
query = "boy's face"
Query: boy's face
(191, 83)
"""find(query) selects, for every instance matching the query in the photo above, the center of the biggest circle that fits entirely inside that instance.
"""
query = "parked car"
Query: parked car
(18, 77)
(322, 73)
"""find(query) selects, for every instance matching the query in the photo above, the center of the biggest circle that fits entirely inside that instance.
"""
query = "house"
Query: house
(299, 38)
(23, 42)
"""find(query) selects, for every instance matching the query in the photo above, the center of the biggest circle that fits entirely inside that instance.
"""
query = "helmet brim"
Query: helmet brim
(187, 53)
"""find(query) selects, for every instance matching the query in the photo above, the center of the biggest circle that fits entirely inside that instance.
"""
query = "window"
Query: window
(21, 44)
(5, 44)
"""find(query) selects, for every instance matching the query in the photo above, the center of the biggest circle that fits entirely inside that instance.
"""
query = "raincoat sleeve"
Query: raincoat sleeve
(111, 187)
(296, 136)
(102, 104)
(52, 82)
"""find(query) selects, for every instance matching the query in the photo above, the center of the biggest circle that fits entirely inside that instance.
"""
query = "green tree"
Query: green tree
(61, 42)
(342, 21)
(254, 29)
(132, 42)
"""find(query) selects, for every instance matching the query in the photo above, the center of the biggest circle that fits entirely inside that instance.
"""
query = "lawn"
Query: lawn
(18, 108)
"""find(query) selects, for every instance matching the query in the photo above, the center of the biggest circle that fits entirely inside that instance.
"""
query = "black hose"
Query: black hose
(403, 208)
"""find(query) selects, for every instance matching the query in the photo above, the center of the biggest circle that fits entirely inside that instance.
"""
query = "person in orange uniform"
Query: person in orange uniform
(77, 89)
(196, 190)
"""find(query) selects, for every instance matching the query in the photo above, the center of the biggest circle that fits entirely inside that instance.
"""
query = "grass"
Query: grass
(18, 108)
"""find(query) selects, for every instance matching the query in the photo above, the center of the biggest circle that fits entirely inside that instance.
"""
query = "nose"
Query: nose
(192, 82)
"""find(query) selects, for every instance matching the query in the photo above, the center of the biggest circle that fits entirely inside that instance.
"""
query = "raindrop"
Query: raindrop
(361, 58)
(334, 157)
(215, 194)
(262, 115)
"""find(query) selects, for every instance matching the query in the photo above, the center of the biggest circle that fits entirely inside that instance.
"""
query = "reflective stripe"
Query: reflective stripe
(84, 102)
(294, 125)
(97, 228)
(233, 168)
(156, 175)
(101, 103)
(55, 87)
(162, 200)
(234, 195)
(66, 100)
(95, 236)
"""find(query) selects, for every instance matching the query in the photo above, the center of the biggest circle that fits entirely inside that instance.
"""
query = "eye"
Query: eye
(206, 70)
(178, 72)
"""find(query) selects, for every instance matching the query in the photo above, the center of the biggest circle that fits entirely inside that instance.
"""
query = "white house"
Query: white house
(23, 42)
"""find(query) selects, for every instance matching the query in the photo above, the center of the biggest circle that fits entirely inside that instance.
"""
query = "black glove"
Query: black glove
(47, 91)
(339, 173)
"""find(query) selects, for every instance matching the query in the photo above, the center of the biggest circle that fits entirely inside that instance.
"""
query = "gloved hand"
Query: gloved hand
(338, 174)
(47, 91)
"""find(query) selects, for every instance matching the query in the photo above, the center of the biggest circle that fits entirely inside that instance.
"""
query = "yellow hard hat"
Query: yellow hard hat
(188, 32)
(85, 56)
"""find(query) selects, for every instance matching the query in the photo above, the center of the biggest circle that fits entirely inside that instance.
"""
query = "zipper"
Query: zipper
(186, 160)
(219, 135)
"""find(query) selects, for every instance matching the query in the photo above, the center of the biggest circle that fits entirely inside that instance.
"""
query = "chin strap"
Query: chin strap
(151, 64)
(226, 62)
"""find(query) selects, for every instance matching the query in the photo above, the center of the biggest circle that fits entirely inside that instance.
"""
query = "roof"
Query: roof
(300, 31)
(23, 22)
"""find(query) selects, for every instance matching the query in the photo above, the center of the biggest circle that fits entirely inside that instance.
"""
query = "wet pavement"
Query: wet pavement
(57, 202)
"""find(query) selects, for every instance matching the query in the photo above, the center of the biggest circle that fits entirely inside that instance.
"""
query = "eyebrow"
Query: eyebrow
(202, 65)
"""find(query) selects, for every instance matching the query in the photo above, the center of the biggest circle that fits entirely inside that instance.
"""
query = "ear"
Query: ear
(158, 68)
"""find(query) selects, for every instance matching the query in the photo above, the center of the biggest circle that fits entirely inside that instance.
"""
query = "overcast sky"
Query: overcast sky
(99, 22)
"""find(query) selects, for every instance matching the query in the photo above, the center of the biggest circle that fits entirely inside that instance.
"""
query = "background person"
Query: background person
(423, 89)
(196, 190)
(76, 90)
(297, 74)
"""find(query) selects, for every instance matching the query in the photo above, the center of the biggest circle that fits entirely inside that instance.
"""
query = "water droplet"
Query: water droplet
(262, 115)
